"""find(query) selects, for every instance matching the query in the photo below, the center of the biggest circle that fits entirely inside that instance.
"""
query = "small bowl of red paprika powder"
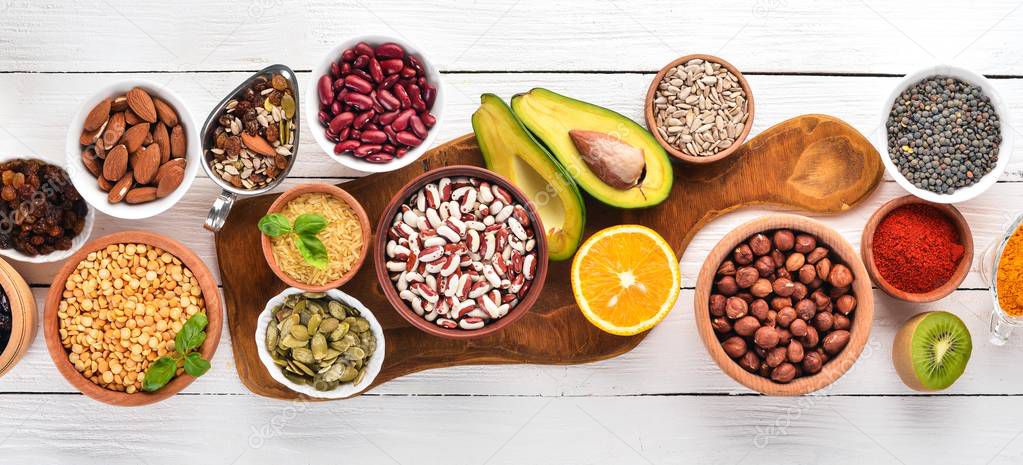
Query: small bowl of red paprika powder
(915, 250)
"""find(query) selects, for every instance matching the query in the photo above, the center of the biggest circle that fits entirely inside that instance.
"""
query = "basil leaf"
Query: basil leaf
(195, 365)
(191, 334)
(310, 223)
(159, 373)
(312, 250)
(199, 320)
(274, 225)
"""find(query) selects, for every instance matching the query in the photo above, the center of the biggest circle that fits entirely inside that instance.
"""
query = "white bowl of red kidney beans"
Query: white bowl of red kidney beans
(376, 102)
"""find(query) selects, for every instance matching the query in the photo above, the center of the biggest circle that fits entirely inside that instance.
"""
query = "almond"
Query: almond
(140, 195)
(89, 137)
(162, 138)
(114, 131)
(120, 189)
(133, 159)
(134, 136)
(119, 104)
(177, 142)
(104, 185)
(258, 144)
(116, 163)
(170, 181)
(149, 138)
(131, 118)
(142, 104)
(166, 113)
(101, 152)
(90, 162)
(147, 165)
(97, 116)
(164, 168)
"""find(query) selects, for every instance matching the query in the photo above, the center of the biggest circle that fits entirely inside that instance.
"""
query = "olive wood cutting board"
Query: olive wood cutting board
(815, 163)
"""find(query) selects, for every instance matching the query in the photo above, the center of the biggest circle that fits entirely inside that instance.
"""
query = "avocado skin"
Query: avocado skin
(549, 116)
(563, 244)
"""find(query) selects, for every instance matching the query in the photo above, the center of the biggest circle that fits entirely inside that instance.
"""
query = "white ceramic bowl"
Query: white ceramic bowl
(56, 255)
(85, 182)
(1004, 151)
(342, 391)
(312, 106)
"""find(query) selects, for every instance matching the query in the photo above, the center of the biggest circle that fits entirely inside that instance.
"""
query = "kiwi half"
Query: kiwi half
(931, 350)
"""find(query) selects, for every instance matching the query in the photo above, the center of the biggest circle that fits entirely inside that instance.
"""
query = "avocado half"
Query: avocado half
(511, 151)
(550, 116)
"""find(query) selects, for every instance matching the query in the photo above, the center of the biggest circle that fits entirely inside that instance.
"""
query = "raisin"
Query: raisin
(275, 97)
(272, 133)
(233, 146)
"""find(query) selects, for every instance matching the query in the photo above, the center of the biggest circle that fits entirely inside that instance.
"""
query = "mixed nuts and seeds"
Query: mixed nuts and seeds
(700, 108)
(254, 141)
(461, 252)
(320, 341)
(375, 102)
(782, 305)
(40, 210)
(943, 134)
(135, 146)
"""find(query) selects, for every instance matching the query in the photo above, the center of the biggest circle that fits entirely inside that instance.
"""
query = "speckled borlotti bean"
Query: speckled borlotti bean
(461, 252)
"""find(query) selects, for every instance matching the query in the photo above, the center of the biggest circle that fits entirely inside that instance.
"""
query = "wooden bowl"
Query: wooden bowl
(861, 289)
(210, 293)
(23, 316)
(379, 260)
(320, 188)
(651, 122)
(867, 249)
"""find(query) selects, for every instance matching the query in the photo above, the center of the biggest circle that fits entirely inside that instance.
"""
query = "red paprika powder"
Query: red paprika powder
(917, 248)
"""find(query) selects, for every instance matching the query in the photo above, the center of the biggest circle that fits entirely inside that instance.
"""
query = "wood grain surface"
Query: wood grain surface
(813, 162)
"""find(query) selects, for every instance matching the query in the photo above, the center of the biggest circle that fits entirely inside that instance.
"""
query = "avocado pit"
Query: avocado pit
(613, 161)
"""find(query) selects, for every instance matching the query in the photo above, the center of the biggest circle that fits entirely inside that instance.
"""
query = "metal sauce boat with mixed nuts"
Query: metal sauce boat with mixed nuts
(254, 140)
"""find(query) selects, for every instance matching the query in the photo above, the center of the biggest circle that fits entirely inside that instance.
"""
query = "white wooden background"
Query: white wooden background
(663, 403)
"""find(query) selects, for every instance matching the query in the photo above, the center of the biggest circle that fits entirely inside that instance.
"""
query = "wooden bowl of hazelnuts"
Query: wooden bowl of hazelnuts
(784, 305)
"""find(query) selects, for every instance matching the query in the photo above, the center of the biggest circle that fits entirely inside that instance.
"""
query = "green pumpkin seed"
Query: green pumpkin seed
(348, 374)
(358, 378)
(361, 325)
(340, 345)
(314, 295)
(300, 333)
(314, 323)
(303, 355)
(355, 353)
(340, 331)
(319, 346)
(271, 335)
(328, 325)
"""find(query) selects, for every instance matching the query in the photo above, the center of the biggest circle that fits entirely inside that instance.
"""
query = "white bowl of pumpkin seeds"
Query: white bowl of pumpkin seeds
(320, 344)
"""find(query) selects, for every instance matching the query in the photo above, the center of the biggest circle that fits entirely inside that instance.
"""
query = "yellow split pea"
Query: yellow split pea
(121, 309)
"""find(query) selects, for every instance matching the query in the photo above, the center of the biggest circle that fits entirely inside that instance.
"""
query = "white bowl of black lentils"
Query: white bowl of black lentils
(946, 134)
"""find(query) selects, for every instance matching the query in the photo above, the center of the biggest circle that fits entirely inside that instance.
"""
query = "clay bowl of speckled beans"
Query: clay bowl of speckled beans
(861, 318)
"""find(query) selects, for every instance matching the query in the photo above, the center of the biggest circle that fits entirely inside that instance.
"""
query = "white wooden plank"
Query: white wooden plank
(766, 35)
(44, 429)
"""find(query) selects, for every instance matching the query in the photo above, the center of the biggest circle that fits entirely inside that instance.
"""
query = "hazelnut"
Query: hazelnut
(727, 286)
(795, 261)
(766, 337)
(764, 265)
(815, 284)
(784, 336)
(823, 267)
(745, 296)
(806, 309)
(783, 373)
(717, 304)
(772, 318)
(835, 341)
(760, 244)
(811, 339)
(784, 240)
(764, 371)
(820, 299)
(800, 291)
(779, 303)
(759, 308)
(735, 308)
(746, 276)
(836, 292)
(750, 361)
(783, 287)
(812, 363)
(816, 255)
(805, 243)
(798, 327)
(840, 276)
(734, 346)
(807, 273)
(823, 321)
(721, 325)
(782, 273)
(743, 255)
(786, 316)
(795, 352)
(776, 356)
(727, 268)
(747, 326)
(761, 288)
(841, 322)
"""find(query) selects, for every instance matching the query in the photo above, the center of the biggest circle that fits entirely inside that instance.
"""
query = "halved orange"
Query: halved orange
(625, 279)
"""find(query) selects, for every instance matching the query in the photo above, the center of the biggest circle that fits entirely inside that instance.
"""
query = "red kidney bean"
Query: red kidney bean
(360, 101)
(416, 64)
(367, 149)
(363, 74)
(389, 50)
(387, 99)
(339, 84)
(373, 137)
(417, 126)
(392, 135)
(324, 117)
(345, 133)
(387, 148)
(407, 72)
(335, 69)
(348, 55)
(363, 48)
(346, 146)
(417, 98)
(358, 84)
(392, 66)
(360, 62)
(388, 118)
(409, 139)
(380, 158)
(402, 94)
(401, 122)
(346, 68)
(428, 119)
(429, 96)
(341, 121)
(421, 81)
(375, 70)
(340, 95)
(335, 108)
(401, 152)
(371, 126)
(325, 90)
(388, 82)
(354, 134)
(360, 121)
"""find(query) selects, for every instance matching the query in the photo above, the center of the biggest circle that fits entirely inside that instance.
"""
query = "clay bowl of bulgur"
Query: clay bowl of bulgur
(101, 348)
(315, 237)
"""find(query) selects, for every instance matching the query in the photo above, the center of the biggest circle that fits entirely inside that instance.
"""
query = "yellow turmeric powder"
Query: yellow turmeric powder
(1010, 275)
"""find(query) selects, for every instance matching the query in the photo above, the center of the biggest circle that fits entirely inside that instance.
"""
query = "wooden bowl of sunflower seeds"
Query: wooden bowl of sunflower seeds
(700, 108)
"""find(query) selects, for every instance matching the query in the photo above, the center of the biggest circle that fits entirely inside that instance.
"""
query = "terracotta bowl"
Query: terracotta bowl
(651, 123)
(867, 250)
(861, 289)
(379, 260)
(210, 293)
(23, 316)
(337, 192)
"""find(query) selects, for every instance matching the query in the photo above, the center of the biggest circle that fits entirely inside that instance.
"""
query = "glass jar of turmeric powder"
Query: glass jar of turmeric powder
(1002, 269)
